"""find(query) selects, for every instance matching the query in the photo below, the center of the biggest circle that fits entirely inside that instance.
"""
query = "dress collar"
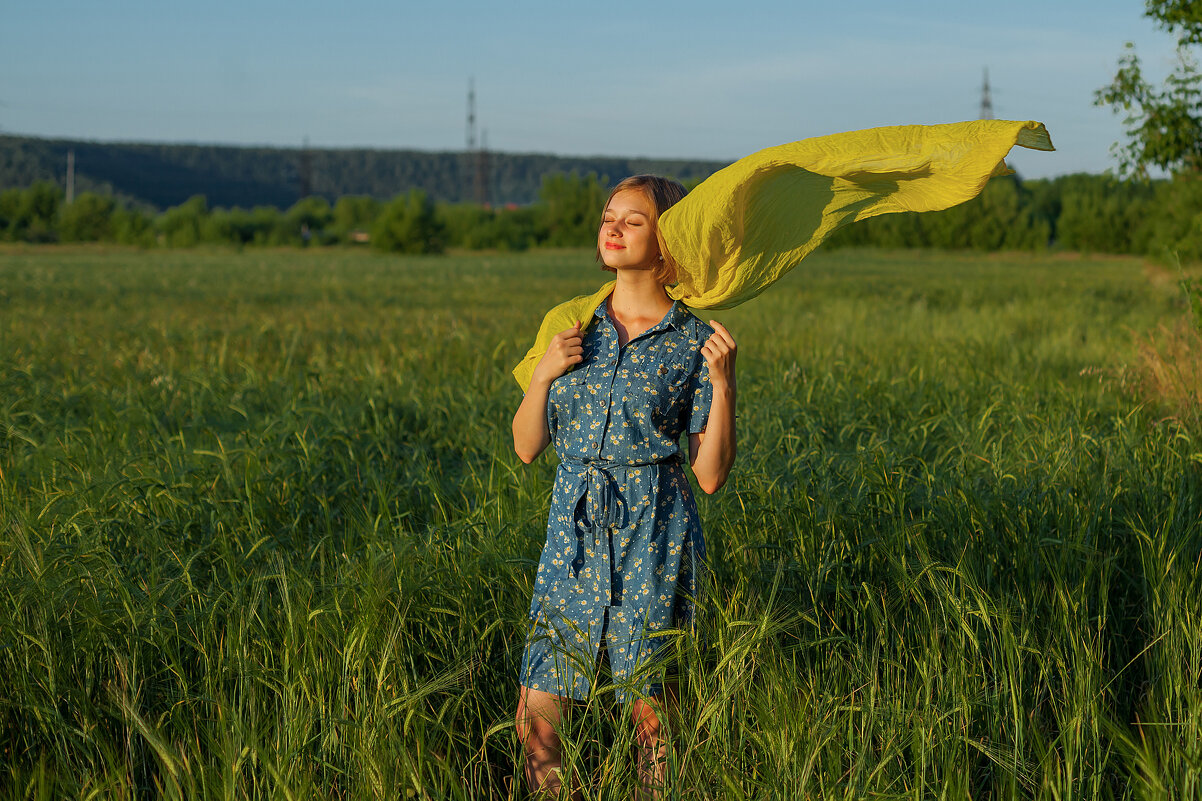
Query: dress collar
(676, 317)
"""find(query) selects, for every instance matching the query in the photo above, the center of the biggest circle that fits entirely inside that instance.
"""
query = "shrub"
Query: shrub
(181, 225)
(408, 225)
(228, 225)
(132, 227)
(31, 215)
(570, 207)
(1101, 214)
(1174, 222)
(353, 215)
(88, 219)
(307, 221)
(477, 228)
(511, 229)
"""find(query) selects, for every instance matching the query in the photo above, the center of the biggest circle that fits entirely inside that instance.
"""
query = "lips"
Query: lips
(614, 246)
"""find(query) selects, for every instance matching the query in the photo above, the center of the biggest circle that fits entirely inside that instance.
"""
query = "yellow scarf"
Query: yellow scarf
(748, 224)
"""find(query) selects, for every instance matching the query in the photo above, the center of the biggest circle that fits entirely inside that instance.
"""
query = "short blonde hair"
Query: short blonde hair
(663, 193)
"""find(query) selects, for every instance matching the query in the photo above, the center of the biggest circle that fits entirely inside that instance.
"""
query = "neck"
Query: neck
(637, 303)
(637, 294)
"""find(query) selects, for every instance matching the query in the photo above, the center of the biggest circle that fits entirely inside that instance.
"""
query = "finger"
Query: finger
(718, 358)
(718, 344)
(568, 339)
(720, 330)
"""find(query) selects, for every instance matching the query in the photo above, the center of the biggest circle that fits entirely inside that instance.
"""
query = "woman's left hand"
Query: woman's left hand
(719, 353)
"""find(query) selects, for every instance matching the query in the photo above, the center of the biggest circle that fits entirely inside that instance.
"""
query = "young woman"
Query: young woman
(624, 545)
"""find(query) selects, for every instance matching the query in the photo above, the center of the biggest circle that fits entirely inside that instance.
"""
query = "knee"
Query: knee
(647, 726)
(528, 726)
(534, 731)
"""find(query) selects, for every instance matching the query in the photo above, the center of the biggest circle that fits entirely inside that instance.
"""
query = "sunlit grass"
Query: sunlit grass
(262, 533)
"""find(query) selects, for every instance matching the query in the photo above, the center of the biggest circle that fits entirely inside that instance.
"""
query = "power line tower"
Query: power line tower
(986, 99)
(477, 157)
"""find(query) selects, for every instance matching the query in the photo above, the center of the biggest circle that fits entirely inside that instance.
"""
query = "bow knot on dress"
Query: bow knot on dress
(600, 506)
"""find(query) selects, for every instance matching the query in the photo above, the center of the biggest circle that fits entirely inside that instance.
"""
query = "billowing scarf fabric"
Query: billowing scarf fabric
(748, 224)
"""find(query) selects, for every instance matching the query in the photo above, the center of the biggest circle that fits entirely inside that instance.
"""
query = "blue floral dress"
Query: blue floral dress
(624, 546)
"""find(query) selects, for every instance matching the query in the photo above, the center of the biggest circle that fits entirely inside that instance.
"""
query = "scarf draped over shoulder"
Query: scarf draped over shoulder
(745, 226)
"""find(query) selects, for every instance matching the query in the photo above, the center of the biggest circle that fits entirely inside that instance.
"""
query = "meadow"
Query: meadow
(263, 533)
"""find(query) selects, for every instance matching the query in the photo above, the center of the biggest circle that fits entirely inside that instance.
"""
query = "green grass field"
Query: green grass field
(263, 535)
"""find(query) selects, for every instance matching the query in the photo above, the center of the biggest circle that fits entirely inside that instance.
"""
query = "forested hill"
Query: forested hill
(163, 175)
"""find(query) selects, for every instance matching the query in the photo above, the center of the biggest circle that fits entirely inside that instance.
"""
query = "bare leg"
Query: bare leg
(648, 716)
(538, 714)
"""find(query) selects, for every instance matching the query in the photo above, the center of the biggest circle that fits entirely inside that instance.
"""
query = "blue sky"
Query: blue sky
(694, 80)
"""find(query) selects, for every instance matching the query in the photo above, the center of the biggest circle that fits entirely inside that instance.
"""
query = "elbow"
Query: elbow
(524, 446)
(526, 450)
(711, 482)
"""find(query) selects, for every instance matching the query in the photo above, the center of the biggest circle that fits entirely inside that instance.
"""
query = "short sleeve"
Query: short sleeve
(700, 393)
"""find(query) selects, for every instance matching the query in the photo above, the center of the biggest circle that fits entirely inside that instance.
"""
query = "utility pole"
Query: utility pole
(986, 99)
(70, 176)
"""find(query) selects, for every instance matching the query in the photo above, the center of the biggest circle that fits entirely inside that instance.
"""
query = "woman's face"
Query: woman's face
(627, 235)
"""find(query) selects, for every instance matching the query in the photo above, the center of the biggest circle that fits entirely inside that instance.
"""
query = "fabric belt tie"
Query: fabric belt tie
(595, 493)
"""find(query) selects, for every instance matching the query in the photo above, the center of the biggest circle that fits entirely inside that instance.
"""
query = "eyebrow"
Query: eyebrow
(628, 211)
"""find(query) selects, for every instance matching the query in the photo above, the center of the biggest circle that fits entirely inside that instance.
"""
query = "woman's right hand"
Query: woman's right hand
(530, 432)
(566, 349)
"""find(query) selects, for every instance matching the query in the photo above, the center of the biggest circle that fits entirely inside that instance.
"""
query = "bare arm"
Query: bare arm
(530, 433)
(712, 452)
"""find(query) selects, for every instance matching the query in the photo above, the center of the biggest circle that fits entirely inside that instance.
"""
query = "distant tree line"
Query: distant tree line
(159, 176)
(1094, 213)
